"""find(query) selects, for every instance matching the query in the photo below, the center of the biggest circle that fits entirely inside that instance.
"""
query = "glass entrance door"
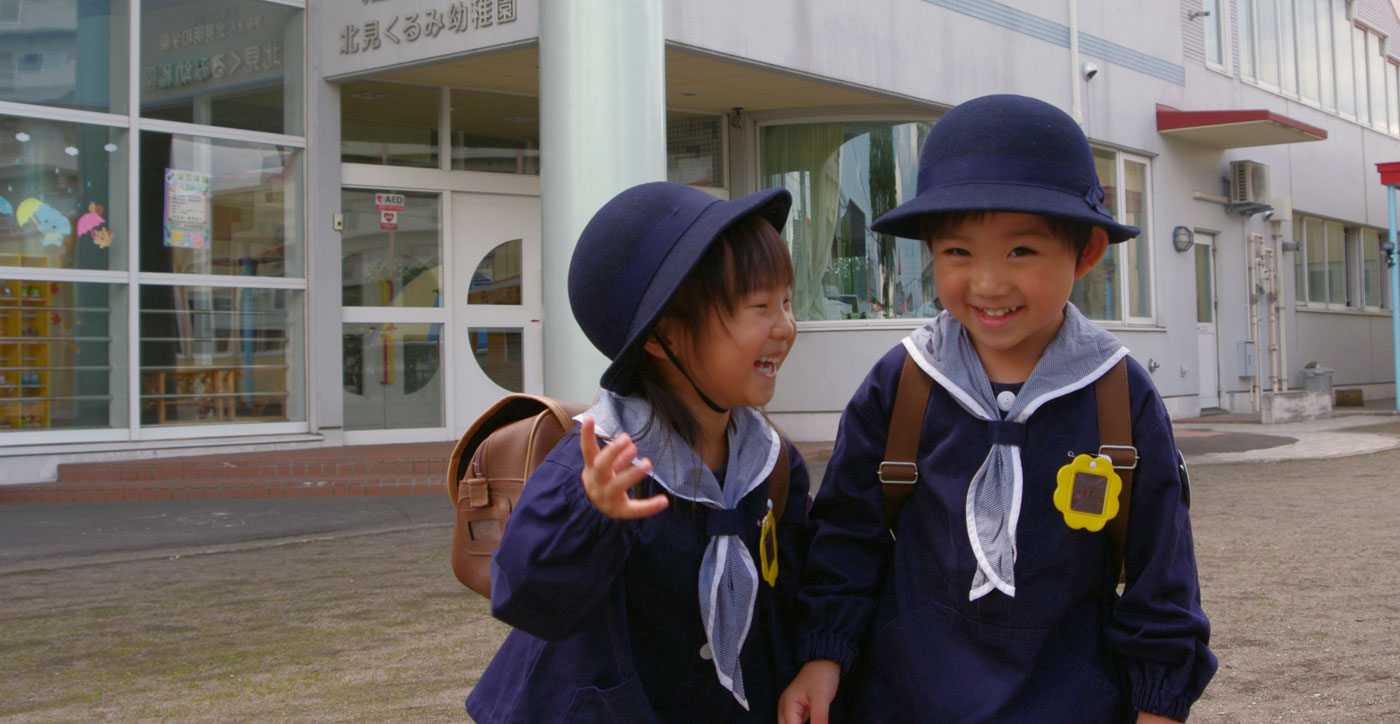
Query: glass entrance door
(495, 329)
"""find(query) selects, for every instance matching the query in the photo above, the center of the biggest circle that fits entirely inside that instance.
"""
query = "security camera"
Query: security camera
(1090, 70)
(1268, 214)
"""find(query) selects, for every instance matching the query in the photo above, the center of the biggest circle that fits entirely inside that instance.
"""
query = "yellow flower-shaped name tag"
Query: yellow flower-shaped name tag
(1087, 492)
(768, 547)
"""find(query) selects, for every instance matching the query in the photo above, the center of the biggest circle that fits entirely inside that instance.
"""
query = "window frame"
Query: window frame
(1223, 35)
(1353, 268)
(1118, 252)
(132, 279)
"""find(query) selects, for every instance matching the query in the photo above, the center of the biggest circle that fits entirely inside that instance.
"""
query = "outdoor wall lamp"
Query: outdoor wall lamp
(1183, 238)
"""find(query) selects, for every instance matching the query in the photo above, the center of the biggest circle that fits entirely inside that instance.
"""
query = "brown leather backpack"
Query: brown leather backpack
(488, 469)
(491, 463)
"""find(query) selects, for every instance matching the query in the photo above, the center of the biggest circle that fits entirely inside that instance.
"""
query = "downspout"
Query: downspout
(1076, 105)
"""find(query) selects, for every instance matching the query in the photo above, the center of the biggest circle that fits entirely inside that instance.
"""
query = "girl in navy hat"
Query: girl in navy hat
(644, 570)
(995, 600)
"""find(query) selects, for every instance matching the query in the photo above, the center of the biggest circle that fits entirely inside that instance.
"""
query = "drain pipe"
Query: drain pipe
(1076, 105)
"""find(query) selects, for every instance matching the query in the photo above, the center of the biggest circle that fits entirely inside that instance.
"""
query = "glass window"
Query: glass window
(498, 352)
(1342, 55)
(1214, 26)
(221, 355)
(391, 249)
(1307, 49)
(1327, 84)
(221, 207)
(1205, 290)
(1372, 268)
(842, 176)
(1392, 104)
(392, 376)
(65, 53)
(62, 354)
(1358, 57)
(1376, 63)
(63, 194)
(1287, 51)
(1300, 262)
(1337, 287)
(1097, 293)
(495, 132)
(1138, 251)
(1247, 33)
(389, 124)
(1316, 254)
(235, 63)
(1267, 28)
(695, 149)
(497, 278)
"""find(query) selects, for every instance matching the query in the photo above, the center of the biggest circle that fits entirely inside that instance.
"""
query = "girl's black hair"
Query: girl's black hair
(749, 256)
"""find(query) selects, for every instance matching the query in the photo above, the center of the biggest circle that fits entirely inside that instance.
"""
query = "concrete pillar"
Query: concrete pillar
(602, 129)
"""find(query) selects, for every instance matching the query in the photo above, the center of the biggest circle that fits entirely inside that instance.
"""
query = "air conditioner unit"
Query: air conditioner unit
(1249, 187)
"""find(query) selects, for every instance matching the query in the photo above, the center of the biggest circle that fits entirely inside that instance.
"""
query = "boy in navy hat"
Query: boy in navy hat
(998, 603)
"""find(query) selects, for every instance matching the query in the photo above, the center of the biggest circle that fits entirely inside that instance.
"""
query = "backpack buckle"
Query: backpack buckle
(1128, 448)
(905, 474)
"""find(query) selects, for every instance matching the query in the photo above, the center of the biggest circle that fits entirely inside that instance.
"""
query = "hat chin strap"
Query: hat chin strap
(703, 397)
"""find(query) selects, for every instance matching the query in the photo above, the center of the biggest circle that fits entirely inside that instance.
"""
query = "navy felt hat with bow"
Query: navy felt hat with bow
(1006, 153)
(635, 252)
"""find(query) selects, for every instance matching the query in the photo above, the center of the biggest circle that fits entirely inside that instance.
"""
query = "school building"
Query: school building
(270, 224)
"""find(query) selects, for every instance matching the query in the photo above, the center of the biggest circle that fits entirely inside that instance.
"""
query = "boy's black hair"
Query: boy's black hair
(1073, 233)
(749, 256)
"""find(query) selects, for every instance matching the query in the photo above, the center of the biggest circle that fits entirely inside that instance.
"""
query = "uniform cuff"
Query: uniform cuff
(1161, 703)
(826, 647)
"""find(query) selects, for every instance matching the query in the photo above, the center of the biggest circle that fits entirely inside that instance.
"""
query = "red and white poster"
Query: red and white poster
(388, 219)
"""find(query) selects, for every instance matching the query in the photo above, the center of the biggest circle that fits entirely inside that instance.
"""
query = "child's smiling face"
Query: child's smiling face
(735, 359)
(1006, 278)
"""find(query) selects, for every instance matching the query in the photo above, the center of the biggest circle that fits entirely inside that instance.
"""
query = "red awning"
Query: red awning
(1235, 129)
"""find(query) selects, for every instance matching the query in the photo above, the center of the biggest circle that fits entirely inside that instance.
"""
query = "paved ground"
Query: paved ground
(228, 609)
(342, 610)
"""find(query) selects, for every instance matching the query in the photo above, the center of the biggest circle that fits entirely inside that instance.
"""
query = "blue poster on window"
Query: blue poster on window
(187, 204)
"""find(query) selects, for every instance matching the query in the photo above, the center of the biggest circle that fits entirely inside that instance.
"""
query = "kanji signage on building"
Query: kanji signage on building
(405, 28)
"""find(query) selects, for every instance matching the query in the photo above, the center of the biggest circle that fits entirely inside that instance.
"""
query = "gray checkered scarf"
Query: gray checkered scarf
(1078, 355)
(728, 582)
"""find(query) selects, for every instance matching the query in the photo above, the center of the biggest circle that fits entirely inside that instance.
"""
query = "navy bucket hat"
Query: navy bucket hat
(635, 252)
(1006, 153)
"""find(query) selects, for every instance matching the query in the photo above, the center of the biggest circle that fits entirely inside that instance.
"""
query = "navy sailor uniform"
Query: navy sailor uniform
(897, 616)
(606, 616)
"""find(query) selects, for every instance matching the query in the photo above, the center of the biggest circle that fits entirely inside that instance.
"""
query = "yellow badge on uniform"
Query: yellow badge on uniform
(768, 547)
(1087, 492)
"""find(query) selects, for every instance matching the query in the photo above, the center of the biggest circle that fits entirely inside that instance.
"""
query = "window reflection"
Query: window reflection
(235, 64)
(497, 278)
(391, 249)
(64, 53)
(392, 376)
(220, 207)
(498, 352)
(842, 177)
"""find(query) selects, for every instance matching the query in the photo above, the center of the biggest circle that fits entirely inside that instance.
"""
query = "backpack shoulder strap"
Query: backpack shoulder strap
(1116, 441)
(508, 409)
(778, 481)
(899, 471)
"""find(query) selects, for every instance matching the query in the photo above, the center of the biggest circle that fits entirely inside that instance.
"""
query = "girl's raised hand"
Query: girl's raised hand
(609, 473)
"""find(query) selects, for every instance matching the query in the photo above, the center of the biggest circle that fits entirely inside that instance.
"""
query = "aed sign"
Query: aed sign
(388, 219)
(389, 202)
